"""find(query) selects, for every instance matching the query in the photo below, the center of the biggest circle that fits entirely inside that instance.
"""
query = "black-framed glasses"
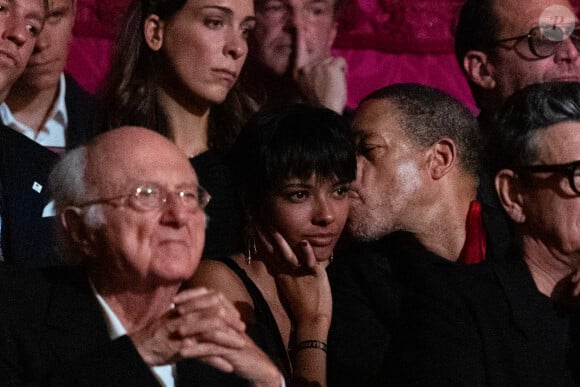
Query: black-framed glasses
(151, 196)
(545, 40)
(570, 170)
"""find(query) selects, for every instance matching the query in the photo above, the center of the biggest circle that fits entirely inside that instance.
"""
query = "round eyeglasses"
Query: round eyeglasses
(151, 196)
(545, 40)
(570, 170)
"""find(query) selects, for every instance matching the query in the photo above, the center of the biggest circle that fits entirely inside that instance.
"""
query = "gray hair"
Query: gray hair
(68, 187)
(526, 113)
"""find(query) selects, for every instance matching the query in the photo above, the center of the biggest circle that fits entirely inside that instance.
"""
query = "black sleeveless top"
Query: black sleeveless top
(224, 214)
(264, 331)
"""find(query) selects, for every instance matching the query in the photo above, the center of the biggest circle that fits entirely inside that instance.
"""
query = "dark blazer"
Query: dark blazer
(483, 325)
(27, 238)
(80, 107)
(24, 168)
(53, 333)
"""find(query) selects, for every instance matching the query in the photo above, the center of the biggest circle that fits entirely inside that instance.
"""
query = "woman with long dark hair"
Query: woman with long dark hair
(175, 71)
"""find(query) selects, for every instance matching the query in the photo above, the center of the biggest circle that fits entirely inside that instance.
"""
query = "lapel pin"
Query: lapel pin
(37, 187)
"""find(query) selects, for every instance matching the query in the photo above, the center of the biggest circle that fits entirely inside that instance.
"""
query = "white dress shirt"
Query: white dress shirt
(52, 135)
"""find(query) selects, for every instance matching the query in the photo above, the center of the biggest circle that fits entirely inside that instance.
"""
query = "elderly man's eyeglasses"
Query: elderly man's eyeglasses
(570, 170)
(151, 196)
(544, 41)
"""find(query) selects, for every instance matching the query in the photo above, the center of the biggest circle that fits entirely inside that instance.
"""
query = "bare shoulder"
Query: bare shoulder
(217, 275)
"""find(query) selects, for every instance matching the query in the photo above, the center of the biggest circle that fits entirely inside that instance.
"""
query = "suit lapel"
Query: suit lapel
(74, 316)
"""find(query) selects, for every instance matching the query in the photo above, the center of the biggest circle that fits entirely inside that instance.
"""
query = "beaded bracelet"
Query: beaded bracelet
(311, 344)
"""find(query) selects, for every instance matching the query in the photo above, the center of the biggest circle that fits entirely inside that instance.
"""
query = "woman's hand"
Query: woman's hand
(301, 280)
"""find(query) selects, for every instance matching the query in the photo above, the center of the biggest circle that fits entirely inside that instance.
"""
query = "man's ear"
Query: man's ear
(510, 197)
(72, 220)
(479, 69)
(153, 29)
(443, 157)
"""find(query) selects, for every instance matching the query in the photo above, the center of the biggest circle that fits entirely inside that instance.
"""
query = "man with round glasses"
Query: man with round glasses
(512, 323)
(132, 228)
(503, 46)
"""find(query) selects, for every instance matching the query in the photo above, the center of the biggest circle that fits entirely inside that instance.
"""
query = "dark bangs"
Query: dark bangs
(295, 141)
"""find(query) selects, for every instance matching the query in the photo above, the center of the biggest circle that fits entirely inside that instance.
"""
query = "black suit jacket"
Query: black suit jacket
(24, 168)
(53, 333)
(80, 107)
(483, 325)
(27, 237)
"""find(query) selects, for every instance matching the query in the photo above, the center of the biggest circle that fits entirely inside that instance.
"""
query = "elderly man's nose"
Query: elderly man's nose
(175, 211)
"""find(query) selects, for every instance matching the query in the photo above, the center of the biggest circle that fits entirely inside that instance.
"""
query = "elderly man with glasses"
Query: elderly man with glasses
(503, 46)
(132, 228)
(512, 323)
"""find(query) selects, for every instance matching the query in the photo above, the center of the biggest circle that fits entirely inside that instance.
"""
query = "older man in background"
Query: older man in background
(503, 46)
(290, 59)
(132, 230)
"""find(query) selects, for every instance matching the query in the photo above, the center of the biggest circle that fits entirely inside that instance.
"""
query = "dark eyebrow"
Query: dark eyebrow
(229, 12)
(39, 16)
(223, 9)
(296, 185)
(314, 2)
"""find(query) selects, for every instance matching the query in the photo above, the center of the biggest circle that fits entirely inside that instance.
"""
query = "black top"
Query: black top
(483, 325)
(367, 284)
(264, 331)
(223, 211)
(80, 108)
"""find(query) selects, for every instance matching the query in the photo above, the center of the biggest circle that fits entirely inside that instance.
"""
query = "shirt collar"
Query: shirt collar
(53, 132)
(165, 374)
(114, 325)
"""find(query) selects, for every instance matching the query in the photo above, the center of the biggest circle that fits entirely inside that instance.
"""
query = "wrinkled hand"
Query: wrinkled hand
(205, 325)
(300, 278)
(201, 323)
(321, 80)
(231, 350)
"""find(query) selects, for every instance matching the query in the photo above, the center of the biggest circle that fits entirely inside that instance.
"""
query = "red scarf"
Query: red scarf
(475, 242)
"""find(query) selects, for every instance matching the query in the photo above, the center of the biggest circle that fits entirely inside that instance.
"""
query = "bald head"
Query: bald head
(93, 185)
(130, 153)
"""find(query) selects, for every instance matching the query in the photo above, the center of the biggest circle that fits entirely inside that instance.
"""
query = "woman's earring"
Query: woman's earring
(250, 242)
(332, 257)
(251, 250)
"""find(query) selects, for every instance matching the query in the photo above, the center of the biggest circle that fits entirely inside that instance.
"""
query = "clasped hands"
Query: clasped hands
(206, 326)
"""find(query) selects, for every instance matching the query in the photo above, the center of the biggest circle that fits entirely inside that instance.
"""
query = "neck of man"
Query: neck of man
(31, 106)
(549, 267)
(446, 215)
(188, 124)
(136, 306)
